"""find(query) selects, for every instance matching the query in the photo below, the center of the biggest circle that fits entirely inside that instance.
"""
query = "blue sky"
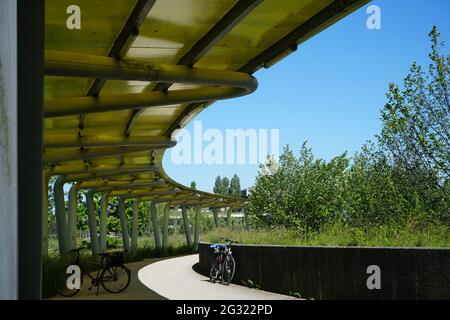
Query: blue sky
(329, 92)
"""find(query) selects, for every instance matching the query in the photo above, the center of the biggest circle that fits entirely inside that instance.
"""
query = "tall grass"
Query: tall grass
(409, 235)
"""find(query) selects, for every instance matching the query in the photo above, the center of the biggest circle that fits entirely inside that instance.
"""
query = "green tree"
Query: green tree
(218, 185)
(194, 185)
(235, 186)
(416, 120)
(225, 186)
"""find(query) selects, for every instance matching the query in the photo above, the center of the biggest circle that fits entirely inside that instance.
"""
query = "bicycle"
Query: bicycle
(113, 275)
(223, 263)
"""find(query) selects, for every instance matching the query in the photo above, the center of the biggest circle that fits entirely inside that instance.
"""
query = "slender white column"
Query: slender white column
(72, 216)
(187, 229)
(229, 222)
(134, 225)
(92, 222)
(155, 227)
(197, 227)
(60, 213)
(165, 233)
(216, 217)
(103, 221)
(124, 225)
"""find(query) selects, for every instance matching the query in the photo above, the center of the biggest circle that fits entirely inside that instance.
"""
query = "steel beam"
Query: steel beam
(122, 43)
(61, 155)
(148, 194)
(238, 12)
(125, 186)
(234, 84)
(103, 169)
(54, 139)
(335, 11)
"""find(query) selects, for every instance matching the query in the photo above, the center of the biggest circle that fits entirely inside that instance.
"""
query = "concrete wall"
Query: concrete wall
(341, 273)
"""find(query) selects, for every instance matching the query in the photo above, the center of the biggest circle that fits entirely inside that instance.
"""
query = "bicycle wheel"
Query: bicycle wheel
(115, 279)
(60, 283)
(228, 270)
(213, 272)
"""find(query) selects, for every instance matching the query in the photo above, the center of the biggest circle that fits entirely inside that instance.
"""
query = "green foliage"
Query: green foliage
(414, 233)
(403, 178)
(225, 186)
(113, 243)
(250, 284)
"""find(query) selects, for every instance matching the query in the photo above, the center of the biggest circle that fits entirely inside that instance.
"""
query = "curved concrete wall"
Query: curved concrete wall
(342, 272)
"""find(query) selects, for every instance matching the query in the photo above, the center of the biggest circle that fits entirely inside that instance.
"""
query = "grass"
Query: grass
(409, 235)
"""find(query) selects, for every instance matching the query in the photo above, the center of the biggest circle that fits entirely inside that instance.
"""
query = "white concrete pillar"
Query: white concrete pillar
(134, 225)
(187, 229)
(229, 222)
(124, 225)
(60, 213)
(197, 227)
(103, 221)
(216, 217)
(72, 216)
(21, 146)
(92, 222)
(247, 225)
(165, 228)
(8, 152)
(155, 227)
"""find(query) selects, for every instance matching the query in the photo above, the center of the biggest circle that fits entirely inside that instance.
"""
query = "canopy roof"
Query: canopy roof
(109, 120)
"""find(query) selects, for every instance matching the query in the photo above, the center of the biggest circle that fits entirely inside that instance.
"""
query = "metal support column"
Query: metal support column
(229, 222)
(72, 217)
(155, 227)
(247, 225)
(92, 222)
(135, 226)
(165, 232)
(197, 227)
(187, 229)
(124, 225)
(103, 221)
(60, 213)
(216, 217)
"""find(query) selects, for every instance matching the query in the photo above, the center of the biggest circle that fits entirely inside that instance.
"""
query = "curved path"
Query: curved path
(175, 279)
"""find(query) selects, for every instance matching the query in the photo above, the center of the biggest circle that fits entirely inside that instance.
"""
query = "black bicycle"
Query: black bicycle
(223, 266)
(112, 275)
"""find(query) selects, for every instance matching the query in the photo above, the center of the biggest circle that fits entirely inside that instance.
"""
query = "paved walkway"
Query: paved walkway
(135, 291)
(175, 279)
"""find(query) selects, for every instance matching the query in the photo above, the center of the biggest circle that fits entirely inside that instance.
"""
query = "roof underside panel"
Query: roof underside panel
(169, 31)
